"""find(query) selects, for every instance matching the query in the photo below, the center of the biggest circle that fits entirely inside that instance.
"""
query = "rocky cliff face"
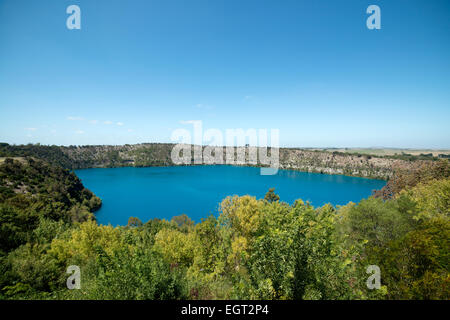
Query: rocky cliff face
(148, 154)
(338, 163)
(159, 154)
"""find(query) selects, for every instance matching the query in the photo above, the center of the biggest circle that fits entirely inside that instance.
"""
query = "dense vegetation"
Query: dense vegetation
(37, 202)
(51, 154)
(253, 249)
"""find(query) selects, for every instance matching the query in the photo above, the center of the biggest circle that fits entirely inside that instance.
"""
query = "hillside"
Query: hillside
(158, 154)
(43, 190)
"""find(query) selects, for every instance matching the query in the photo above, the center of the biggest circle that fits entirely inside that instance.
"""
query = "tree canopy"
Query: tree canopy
(252, 249)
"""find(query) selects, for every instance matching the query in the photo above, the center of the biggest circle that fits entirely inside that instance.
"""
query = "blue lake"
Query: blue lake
(164, 192)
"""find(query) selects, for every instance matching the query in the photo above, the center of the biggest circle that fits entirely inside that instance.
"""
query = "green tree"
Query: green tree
(271, 196)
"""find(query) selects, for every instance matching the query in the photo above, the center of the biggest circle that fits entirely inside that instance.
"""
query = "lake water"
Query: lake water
(164, 192)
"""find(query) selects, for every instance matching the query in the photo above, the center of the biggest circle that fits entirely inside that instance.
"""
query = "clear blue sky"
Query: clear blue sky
(309, 68)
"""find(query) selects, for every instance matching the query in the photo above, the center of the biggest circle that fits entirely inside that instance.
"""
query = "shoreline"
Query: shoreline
(235, 165)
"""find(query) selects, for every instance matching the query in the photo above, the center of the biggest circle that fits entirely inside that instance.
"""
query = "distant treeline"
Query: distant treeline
(51, 154)
(402, 156)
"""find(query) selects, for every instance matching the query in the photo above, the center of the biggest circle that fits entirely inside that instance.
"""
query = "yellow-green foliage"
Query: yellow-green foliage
(254, 249)
(432, 198)
(176, 247)
(408, 238)
(242, 214)
(84, 241)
